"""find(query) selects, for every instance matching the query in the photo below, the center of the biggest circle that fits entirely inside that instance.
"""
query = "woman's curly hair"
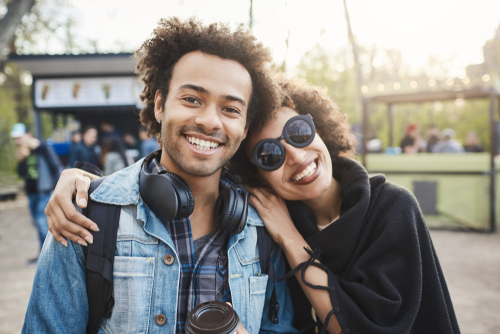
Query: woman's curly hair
(331, 125)
(173, 38)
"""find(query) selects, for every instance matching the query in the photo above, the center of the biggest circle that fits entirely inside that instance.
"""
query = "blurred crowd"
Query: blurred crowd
(40, 167)
(109, 148)
(437, 141)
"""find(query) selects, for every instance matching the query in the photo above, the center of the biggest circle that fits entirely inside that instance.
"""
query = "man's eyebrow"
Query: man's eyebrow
(199, 89)
(204, 91)
(233, 98)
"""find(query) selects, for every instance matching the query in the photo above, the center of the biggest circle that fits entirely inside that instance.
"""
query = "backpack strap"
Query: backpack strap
(266, 247)
(100, 258)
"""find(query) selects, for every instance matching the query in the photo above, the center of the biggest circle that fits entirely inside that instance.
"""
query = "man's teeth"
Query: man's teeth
(306, 172)
(202, 144)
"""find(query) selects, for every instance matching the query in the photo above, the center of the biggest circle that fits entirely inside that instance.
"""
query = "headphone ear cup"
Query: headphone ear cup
(230, 211)
(186, 205)
(224, 209)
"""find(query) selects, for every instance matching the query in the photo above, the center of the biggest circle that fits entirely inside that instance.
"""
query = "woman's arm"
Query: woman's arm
(274, 213)
(62, 216)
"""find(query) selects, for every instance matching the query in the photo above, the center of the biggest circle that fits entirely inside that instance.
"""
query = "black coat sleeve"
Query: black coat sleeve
(392, 282)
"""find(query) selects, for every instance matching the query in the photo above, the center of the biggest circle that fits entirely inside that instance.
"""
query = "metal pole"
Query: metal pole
(363, 103)
(493, 151)
(390, 111)
(364, 130)
(250, 23)
(38, 124)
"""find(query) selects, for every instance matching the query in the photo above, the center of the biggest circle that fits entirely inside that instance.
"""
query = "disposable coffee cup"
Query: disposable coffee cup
(212, 318)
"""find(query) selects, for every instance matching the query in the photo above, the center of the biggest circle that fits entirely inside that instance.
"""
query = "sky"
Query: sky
(419, 29)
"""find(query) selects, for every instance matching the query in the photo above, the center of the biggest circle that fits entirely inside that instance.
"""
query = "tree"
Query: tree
(335, 71)
(15, 10)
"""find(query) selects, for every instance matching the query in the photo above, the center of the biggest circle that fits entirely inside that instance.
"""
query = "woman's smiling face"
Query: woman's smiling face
(306, 172)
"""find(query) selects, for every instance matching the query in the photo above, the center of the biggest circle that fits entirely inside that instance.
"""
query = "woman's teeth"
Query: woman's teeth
(306, 172)
(202, 144)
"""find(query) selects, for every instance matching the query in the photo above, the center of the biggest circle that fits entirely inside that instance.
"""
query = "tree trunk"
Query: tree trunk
(10, 22)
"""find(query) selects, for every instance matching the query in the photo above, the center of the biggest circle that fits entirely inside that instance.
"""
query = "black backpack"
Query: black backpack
(100, 258)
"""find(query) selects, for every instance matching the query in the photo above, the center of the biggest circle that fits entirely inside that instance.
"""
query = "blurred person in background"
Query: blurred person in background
(432, 137)
(129, 142)
(86, 150)
(411, 141)
(108, 130)
(148, 144)
(448, 144)
(113, 157)
(40, 167)
(131, 146)
(76, 137)
(472, 143)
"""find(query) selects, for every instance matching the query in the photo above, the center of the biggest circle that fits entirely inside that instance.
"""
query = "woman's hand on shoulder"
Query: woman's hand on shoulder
(62, 217)
(273, 212)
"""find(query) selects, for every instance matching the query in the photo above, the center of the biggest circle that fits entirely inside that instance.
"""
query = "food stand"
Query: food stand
(94, 88)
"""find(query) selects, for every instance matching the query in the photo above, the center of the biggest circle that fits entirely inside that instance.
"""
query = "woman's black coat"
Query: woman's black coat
(384, 275)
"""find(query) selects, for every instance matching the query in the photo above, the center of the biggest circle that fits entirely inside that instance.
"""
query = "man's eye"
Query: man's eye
(190, 100)
(232, 110)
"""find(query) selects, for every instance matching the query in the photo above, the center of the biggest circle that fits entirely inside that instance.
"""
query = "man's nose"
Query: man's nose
(209, 118)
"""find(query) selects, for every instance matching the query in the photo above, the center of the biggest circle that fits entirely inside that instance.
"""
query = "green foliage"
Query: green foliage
(7, 147)
(15, 106)
(336, 72)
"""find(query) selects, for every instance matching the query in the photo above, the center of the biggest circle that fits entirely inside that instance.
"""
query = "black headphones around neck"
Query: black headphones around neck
(169, 197)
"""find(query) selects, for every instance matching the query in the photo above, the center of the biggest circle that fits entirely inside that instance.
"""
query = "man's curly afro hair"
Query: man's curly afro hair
(331, 125)
(173, 38)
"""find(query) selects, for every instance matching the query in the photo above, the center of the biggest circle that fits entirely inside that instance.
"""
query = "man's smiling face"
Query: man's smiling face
(204, 114)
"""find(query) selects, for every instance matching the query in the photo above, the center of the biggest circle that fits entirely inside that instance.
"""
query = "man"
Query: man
(410, 144)
(85, 151)
(448, 144)
(203, 85)
(148, 144)
(40, 167)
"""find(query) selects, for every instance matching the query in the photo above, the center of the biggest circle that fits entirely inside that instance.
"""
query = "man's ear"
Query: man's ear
(158, 105)
(245, 134)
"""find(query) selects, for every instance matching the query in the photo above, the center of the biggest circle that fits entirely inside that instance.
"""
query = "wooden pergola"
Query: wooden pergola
(421, 97)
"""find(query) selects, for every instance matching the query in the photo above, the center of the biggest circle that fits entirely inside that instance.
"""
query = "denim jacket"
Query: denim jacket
(146, 286)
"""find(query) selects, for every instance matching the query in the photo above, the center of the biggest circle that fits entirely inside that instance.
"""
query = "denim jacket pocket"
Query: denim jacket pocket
(258, 286)
(133, 285)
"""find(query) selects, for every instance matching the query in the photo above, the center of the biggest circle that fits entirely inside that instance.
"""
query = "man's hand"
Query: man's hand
(22, 152)
(62, 216)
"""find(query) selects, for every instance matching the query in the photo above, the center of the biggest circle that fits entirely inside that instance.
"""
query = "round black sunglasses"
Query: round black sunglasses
(269, 153)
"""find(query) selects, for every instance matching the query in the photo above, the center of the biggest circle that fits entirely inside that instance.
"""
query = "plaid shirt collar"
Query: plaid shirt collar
(203, 276)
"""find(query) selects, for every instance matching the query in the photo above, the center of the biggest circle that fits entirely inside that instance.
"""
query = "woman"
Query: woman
(370, 265)
(113, 156)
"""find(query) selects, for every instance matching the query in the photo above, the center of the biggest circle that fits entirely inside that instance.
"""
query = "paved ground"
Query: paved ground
(470, 261)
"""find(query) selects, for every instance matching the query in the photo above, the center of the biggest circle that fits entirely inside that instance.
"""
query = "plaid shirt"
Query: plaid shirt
(204, 276)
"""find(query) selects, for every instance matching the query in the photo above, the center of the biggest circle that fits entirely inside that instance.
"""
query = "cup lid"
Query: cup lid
(212, 317)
